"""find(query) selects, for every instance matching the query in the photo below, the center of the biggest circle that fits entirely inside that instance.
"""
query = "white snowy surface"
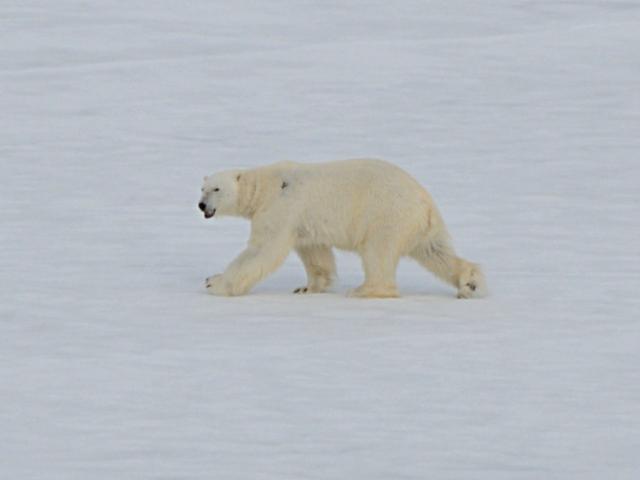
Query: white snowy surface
(521, 118)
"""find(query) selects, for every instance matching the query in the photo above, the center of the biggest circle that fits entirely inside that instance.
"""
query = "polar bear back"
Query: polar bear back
(342, 203)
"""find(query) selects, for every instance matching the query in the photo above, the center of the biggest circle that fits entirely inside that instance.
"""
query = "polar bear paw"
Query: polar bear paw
(309, 289)
(472, 283)
(317, 286)
(216, 285)
(367, 291)
(467, 290)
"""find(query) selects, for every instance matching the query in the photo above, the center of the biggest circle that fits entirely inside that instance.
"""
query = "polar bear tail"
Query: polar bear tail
(436, 254)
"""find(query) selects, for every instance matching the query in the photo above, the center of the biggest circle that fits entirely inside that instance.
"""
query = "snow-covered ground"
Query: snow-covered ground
(522, 119)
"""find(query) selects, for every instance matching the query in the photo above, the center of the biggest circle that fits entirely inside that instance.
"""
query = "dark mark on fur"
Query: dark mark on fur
(284, 185)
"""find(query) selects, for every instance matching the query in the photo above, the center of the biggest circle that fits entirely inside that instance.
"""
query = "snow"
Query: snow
(522, 119)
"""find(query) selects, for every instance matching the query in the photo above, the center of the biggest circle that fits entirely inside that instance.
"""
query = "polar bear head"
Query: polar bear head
(220, 194)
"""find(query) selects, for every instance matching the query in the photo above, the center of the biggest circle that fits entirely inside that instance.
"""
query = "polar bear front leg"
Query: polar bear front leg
(251, 266)
(320, 265)
(219, 284)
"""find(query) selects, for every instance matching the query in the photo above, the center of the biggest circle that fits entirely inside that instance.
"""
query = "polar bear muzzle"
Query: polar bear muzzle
(207, 213)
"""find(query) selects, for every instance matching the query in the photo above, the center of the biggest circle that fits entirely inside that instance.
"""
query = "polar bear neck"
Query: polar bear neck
(256, 190)
(249, 194)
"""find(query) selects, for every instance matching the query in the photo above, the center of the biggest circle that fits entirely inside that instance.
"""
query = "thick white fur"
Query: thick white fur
(367, 206)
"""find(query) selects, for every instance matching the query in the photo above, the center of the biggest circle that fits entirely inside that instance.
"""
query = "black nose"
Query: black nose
(202, 206)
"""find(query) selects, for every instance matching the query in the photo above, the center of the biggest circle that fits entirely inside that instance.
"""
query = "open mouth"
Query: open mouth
(210, 214)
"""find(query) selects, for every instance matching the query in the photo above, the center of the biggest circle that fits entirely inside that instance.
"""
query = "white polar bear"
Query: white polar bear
(368, 206)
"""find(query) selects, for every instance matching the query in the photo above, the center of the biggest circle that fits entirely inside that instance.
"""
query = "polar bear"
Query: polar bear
(367, 206)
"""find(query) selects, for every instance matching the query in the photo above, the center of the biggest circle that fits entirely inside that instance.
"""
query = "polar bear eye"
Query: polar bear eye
(216, 189)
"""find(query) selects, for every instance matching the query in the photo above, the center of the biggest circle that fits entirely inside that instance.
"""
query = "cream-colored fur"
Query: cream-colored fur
(367, 206)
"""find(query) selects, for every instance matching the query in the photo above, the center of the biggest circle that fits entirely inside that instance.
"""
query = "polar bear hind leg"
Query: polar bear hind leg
(320, 266)
(379, 260)
(437, 255)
